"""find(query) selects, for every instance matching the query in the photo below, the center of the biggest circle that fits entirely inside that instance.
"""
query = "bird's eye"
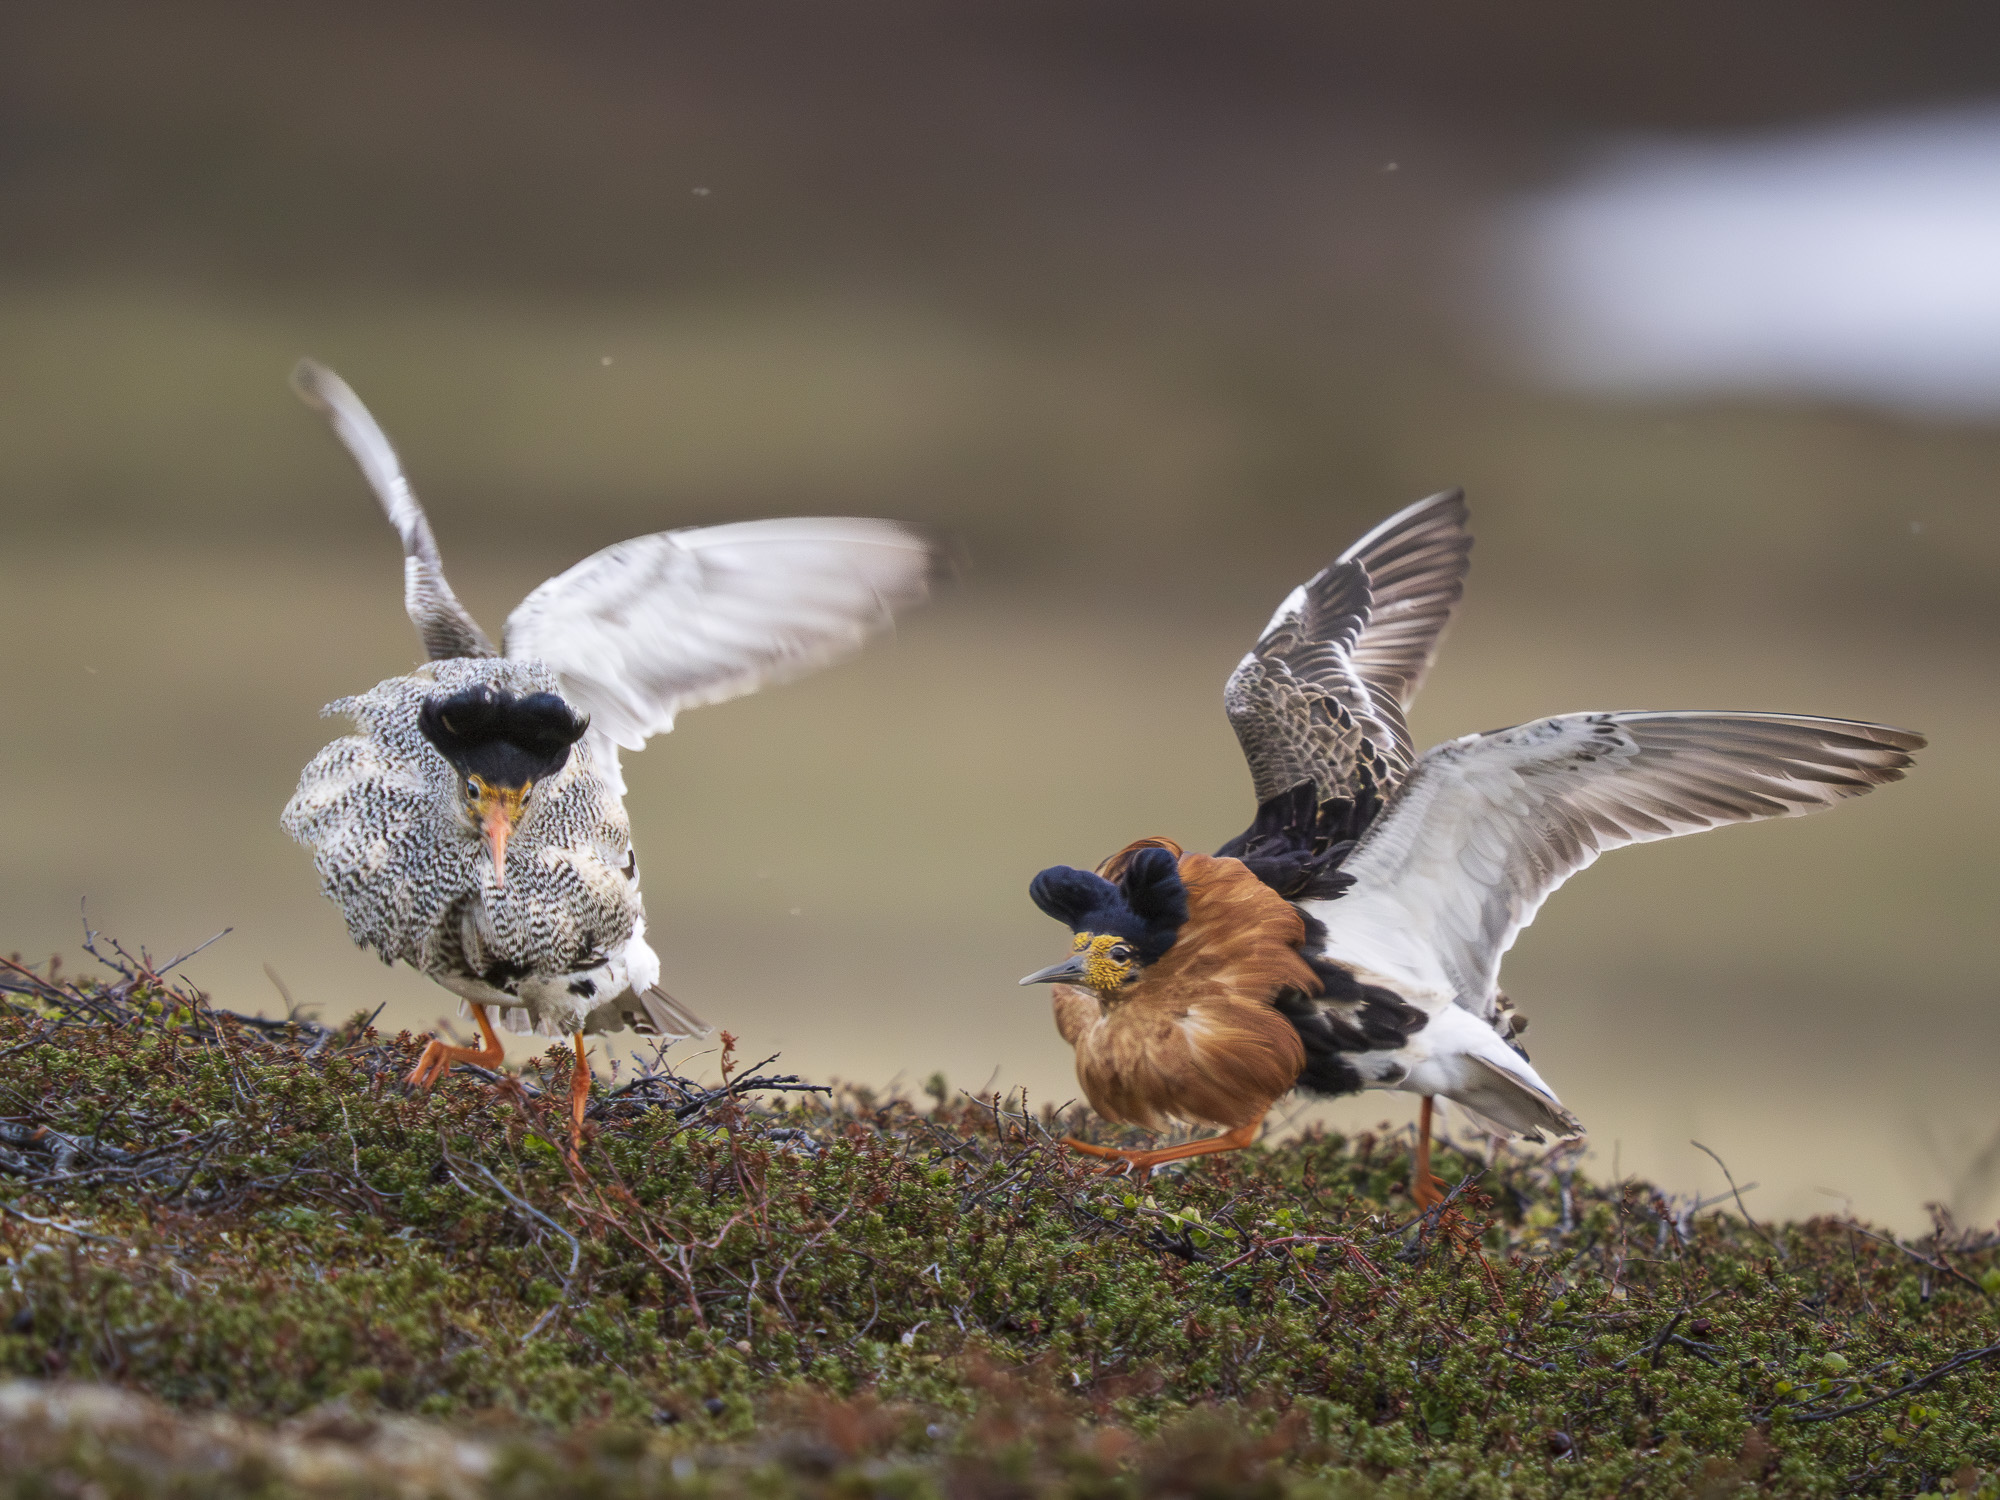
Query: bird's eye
(526, 787)
(472, 788)
(1120, 953)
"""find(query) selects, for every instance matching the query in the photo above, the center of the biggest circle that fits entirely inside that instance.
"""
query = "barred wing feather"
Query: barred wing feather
(1322, 695)
(446, 628)
(1488, 826)
(1416, 562)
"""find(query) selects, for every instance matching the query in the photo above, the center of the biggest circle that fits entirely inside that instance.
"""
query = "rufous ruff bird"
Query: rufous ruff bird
(1392, 883)
(475, 825)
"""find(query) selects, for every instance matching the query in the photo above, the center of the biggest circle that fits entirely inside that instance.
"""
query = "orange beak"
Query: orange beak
(496, 809)
(496, 825)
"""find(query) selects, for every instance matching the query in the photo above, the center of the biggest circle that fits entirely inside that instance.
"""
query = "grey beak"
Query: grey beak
(1069, 971)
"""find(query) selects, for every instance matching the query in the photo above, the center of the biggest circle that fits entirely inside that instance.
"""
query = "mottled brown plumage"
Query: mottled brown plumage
(1195, 1037)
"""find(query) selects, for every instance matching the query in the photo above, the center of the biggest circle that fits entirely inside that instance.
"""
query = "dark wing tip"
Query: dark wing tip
(1871, 746)
(1446, 507)
(950, 554)
(1908, 741)
(1436, 526)
(947, 554)
(315, 384)
(1869, 742)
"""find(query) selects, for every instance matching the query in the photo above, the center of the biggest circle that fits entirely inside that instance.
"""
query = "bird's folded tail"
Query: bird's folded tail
(651, 1013)
(1508, 1105)
(665, 1016)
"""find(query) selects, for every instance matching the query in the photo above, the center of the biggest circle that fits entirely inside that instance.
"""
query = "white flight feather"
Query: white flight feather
(1488, 826)
(649, 627)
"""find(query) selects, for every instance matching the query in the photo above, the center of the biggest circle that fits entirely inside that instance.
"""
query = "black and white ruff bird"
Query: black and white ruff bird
(1408, 877)
(475, 825)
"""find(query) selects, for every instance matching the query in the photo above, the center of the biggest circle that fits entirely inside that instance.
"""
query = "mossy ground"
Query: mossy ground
(771, 1292)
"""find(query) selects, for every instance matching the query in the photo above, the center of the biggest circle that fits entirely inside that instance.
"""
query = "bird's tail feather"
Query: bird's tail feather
(655, 1013)
(1509, 1105)
(665, 1016)
(510, 1018)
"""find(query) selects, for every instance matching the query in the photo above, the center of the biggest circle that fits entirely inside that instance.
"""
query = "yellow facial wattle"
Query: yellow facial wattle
(1101, 971)
(488, 799)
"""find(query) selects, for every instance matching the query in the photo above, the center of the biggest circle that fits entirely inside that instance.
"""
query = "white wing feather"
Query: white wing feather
(1488, 826)
(652, 626)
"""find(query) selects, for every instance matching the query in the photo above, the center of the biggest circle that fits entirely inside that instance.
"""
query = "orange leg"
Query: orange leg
(579, 1096)
(1426, 1189)
(1143, 1162)
(438, 1057)
(1111, 1152)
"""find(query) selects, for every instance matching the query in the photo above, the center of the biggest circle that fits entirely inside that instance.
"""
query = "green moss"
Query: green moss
(802, 1295)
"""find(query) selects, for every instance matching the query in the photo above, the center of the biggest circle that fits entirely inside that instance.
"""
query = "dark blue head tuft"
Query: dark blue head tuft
(1147, 906)
(508, 739)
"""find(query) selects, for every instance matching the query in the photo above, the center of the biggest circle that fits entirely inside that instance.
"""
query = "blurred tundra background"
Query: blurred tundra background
(1153, 307)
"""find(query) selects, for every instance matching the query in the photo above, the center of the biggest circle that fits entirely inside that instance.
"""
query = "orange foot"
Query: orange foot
(1143, 1162)
(1429, 1191)
(438, 1056)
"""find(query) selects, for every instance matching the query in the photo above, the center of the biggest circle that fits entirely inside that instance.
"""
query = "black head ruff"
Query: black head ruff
(1147, 907)
(505, 739)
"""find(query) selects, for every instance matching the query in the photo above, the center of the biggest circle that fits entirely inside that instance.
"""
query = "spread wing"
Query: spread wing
(650, 627)
(444, 625)
(1321, 697)
(1318, 704)
(1489, 825)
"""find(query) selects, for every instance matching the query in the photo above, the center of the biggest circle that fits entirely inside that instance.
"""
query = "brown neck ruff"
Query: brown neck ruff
(1195, 1037)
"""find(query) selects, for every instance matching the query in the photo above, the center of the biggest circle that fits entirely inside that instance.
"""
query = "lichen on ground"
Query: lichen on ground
(332, 1285)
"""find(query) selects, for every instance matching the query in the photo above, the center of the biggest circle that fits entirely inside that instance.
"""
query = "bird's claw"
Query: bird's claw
(429, 1066)
(1428, 1191)
(1437, 1202)
(438, 1056)
(1117, 1162)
